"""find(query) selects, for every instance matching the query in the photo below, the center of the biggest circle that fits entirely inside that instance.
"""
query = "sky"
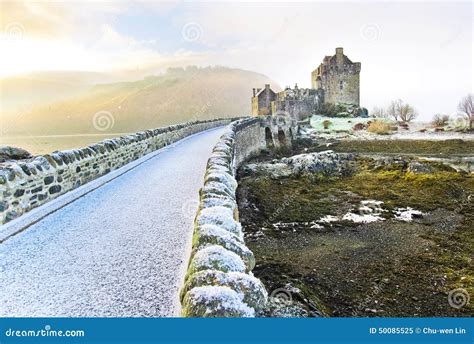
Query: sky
(421, 52)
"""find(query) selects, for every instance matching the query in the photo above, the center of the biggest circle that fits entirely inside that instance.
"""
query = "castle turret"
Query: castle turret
(340, 56)
(339, 78)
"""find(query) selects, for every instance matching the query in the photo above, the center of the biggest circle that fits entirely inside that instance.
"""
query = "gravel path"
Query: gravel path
(119, 251)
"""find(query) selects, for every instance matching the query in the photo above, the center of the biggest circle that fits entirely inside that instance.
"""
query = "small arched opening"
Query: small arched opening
(281, 137)
(268, 137)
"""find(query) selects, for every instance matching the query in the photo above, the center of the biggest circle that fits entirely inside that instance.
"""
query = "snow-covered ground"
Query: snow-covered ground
(342, 128)
(119, 251)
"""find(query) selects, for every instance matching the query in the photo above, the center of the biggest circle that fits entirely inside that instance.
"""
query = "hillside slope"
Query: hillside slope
(177, 96)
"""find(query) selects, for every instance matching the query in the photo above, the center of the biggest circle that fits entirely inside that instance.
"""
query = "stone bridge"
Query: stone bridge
(107, 230)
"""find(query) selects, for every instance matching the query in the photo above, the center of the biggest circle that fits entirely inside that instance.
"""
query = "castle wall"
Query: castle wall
(262, 102)
(339, 78)
(350, 79)
(25, 185)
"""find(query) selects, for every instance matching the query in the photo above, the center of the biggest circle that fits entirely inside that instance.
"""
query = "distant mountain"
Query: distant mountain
(177, 96)
(24, 92)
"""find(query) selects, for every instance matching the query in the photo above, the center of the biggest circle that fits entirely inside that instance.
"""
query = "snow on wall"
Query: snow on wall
(219, 281)
(27, 184)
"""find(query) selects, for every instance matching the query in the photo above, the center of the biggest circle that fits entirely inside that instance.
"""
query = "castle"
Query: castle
(334, 84)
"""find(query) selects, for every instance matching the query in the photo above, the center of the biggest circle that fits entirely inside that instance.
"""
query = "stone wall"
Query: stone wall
(27, 184)
(219, 282)
(339, 77)
(343, 86)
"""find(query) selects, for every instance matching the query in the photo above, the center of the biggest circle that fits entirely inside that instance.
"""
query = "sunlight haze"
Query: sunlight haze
(428, 65)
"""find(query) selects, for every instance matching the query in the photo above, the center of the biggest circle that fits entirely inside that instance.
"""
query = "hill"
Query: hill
(177, 96)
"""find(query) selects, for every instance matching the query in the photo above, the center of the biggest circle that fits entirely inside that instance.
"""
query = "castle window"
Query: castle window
(341, 85)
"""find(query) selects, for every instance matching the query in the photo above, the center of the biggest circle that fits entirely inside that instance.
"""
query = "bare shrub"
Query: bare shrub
(379, 127)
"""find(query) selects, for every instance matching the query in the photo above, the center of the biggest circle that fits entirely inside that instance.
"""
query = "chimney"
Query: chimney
(267, 86)
(254, 92)
(339, 56)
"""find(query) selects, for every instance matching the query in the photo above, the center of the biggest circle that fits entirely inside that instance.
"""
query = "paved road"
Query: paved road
(120, 250)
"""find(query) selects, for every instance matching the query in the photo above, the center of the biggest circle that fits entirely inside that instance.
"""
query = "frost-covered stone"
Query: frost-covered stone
(215, 301)
(219, 216)
(252, 289)
(326, 162)
(218, 187)
(211, 200)
(216, 257)
(218, 160)
(212, 235)
(225, 178)
(219, 169)
(224, 155)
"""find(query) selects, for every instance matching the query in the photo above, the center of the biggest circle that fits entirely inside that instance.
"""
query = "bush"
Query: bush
(440, 120)
(379, 127)
(326, 124)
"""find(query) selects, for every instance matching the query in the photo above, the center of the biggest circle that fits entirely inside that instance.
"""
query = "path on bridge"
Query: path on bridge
(120, 250)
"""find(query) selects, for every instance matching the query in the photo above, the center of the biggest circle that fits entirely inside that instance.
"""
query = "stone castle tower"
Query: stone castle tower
(339, 78)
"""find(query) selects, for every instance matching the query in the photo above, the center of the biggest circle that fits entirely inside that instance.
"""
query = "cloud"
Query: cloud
(39, 19)
(423, 56)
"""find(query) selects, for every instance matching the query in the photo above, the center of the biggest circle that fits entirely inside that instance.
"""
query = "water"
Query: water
(49, 143)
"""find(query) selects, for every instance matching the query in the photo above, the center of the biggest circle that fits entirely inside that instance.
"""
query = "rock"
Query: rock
(210, 200)
(359, 126)
(363, 112)
(220, 216)
(13, 153)
(404, 125)
(327, 163)
(251, 288)
(207, 235)
(216, 257)
(215, 301)
(418, 167)
(54, 189)
(277, 308)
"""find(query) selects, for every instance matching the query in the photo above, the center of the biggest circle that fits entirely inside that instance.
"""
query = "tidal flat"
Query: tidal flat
(390, 235)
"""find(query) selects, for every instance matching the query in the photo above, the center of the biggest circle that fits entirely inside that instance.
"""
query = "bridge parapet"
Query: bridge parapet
(219, 282)
(25, 185)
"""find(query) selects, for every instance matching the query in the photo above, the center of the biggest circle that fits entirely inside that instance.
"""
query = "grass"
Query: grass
(394, 184)
(379, 127)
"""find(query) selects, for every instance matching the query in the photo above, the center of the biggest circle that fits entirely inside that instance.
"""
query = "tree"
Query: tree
(392, 109)
(407, 113)
(440, 120)
(378, 112)
(399, 111)
(466, 107)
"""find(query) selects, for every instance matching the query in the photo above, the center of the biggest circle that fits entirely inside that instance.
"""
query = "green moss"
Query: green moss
(308, 198)
(303, 257)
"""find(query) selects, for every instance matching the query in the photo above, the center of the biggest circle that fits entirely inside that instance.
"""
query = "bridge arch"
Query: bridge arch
(281, 137)
(268, 137)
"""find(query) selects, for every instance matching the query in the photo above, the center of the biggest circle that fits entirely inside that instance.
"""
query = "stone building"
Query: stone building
(335, 81)
(339, 78)
(262, 101)
(297, 102)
